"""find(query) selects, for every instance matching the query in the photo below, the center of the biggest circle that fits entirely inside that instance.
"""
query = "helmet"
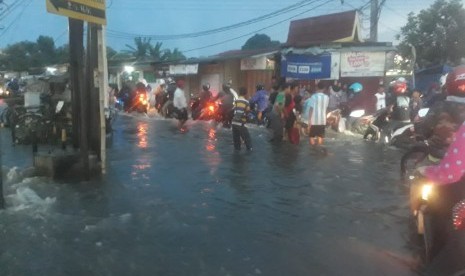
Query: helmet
(399, 86)
(455, 82)
(162, 82)
(206, 86)
(356, 87)
(260, 87)
(171, 81)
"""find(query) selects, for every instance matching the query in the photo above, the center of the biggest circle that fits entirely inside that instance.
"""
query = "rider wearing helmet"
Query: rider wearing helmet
(400, 101)
(354, 89)
(159, 94)
(445, 117)
(205, 95)
(260, 101)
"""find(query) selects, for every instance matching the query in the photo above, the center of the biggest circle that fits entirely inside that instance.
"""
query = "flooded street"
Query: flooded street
(186, 204)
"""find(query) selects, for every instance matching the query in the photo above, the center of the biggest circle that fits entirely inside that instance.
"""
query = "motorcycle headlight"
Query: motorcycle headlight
(426, 191)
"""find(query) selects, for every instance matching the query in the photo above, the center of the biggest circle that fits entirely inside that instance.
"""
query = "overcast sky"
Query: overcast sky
(27, 19)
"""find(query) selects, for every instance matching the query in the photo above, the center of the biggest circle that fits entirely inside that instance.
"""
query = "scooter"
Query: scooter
(404, 135)
(438, 212)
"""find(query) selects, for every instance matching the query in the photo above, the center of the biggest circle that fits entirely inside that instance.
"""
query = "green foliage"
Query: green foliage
(260, 41)
(438, 34)
(144, 50)
(27, 55)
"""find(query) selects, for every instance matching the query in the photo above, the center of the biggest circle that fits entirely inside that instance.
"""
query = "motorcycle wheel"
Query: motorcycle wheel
(428, 236)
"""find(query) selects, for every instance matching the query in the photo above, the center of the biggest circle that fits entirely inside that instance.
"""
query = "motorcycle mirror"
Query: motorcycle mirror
(59, 106)
(423, 112)
(357, 113)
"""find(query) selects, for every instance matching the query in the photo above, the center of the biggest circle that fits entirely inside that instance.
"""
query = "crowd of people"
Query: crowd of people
(288, 109)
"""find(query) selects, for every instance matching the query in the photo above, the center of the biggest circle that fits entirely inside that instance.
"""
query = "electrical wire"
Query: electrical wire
(11, 8)
(287, 9)
(256, 31)
(15, 20)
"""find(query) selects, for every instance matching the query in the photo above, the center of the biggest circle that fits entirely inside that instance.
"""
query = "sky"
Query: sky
(27, 19)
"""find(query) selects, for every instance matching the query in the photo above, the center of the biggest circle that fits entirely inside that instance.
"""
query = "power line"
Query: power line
(15, 20)
(11, 8)
(287, 9)
(254, 32)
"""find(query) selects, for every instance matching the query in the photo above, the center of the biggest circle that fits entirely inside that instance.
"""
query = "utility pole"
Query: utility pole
(2, 200)
(374, 14)
(79, 95)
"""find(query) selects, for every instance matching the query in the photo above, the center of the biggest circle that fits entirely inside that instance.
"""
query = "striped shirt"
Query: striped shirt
(241, 107)
(319, 103)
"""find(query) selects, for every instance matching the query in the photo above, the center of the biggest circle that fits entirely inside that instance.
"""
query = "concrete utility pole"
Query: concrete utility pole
(374, 14)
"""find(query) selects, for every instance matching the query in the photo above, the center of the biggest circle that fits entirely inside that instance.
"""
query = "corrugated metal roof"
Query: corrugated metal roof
(337, 27)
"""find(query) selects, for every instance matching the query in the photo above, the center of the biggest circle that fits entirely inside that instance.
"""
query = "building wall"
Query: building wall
(254, 77)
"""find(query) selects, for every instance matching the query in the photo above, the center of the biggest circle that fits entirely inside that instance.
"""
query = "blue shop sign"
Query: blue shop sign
(306, 67)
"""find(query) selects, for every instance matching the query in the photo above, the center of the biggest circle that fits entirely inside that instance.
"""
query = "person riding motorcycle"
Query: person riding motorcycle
(167, 108)
(260, 101)
(400, 101)
(159, 95)
(205, 96)
(445, 117)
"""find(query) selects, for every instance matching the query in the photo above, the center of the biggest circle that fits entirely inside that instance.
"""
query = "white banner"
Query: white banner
(258, 63)
(184, 69)
(363, 64)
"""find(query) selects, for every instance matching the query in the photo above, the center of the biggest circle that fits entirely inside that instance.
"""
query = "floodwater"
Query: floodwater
(176, 203)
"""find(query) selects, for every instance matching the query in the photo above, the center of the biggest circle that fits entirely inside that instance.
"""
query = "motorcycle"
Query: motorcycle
(404, 135)
(207, 112)
(252, 116)
(140, 102)
(438, 212)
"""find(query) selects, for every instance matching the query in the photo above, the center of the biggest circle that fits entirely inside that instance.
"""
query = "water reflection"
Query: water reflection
(141, 169)
(213, 157)
(142, 135)
(211, 141)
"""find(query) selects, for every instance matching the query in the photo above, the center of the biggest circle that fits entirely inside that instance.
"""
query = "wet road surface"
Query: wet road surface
(186, 204)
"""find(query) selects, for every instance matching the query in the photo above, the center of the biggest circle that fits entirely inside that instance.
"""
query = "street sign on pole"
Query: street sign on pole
(93, 11)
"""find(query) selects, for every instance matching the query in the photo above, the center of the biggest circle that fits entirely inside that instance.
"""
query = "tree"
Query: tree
(46, 50)
(26, 55)
(144, 50)
(174, 55)
(141, 50)
(260, 41)
(437, 33)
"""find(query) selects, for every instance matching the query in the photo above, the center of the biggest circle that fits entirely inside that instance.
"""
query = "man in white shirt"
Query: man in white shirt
(380, 98)
(317, 104)
(180, 104)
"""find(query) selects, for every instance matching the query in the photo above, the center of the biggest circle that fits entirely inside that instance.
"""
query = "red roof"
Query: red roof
(336, 27)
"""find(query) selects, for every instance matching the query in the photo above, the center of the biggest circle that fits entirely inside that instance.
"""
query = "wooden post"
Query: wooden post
(2, 200)
(76, 55)
(103, 83)
(84, 123)
(92, 89)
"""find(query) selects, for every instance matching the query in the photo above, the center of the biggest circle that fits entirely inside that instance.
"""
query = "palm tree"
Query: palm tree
(174, 55)
(155, 52)
(142, 48)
